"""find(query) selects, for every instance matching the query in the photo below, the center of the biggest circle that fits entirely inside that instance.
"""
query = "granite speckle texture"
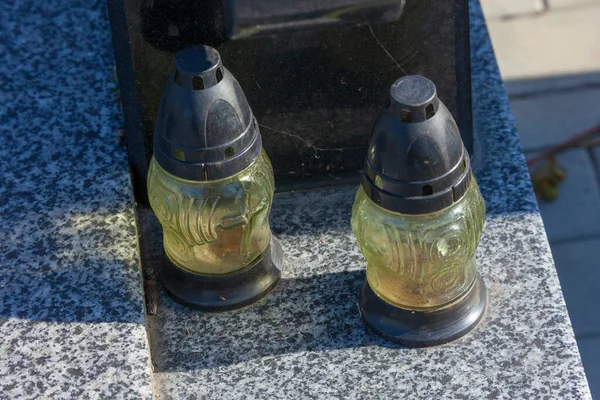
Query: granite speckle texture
(71, 304)
(306, 339)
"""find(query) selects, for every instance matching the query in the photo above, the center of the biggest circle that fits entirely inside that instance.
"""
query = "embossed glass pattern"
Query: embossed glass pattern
(214, 227)
(420, 261)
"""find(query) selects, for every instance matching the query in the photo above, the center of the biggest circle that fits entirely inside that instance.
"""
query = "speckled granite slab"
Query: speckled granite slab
(71, 311)
(71, 308)
(306, 340)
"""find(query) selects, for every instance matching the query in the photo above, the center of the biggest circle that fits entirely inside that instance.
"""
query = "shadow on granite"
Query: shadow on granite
(300, 315)
(314, 307)
(70, 265)
(88, 292)
(536, 86)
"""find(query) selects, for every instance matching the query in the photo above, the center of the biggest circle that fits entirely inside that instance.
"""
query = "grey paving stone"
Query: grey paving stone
(502, 8)
(578, 266)
(552, 83)
(554, 44)
(571, 3)
(589, 348)
(596, 151)
(574, 213)
(548, 119)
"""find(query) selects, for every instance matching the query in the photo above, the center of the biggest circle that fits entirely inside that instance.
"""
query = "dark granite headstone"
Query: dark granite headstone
(315, 91)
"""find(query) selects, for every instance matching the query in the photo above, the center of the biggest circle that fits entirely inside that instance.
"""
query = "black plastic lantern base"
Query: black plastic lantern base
(424, 328)
(225, 292)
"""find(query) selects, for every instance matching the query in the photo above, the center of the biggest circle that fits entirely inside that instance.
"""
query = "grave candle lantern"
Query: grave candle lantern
(211, 186)
(418, 218)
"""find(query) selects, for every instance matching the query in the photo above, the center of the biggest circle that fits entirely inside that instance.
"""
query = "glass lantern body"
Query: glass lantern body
(419, 262)
(214, 227)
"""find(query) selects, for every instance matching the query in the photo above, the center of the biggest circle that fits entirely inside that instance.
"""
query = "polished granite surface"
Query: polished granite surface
(306, 339)
(315, 92)
(71, 304)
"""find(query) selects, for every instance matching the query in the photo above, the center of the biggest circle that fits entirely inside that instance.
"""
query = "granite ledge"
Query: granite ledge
(71, 304)
(306, 339)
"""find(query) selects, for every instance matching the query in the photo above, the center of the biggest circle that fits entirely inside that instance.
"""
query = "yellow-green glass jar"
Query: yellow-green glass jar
(211, 186)
(214, 227)
(418, 218)
(421, 261)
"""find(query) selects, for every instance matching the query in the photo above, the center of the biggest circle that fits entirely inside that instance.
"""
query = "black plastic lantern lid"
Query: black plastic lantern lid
(416, 162)
(205, 129)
